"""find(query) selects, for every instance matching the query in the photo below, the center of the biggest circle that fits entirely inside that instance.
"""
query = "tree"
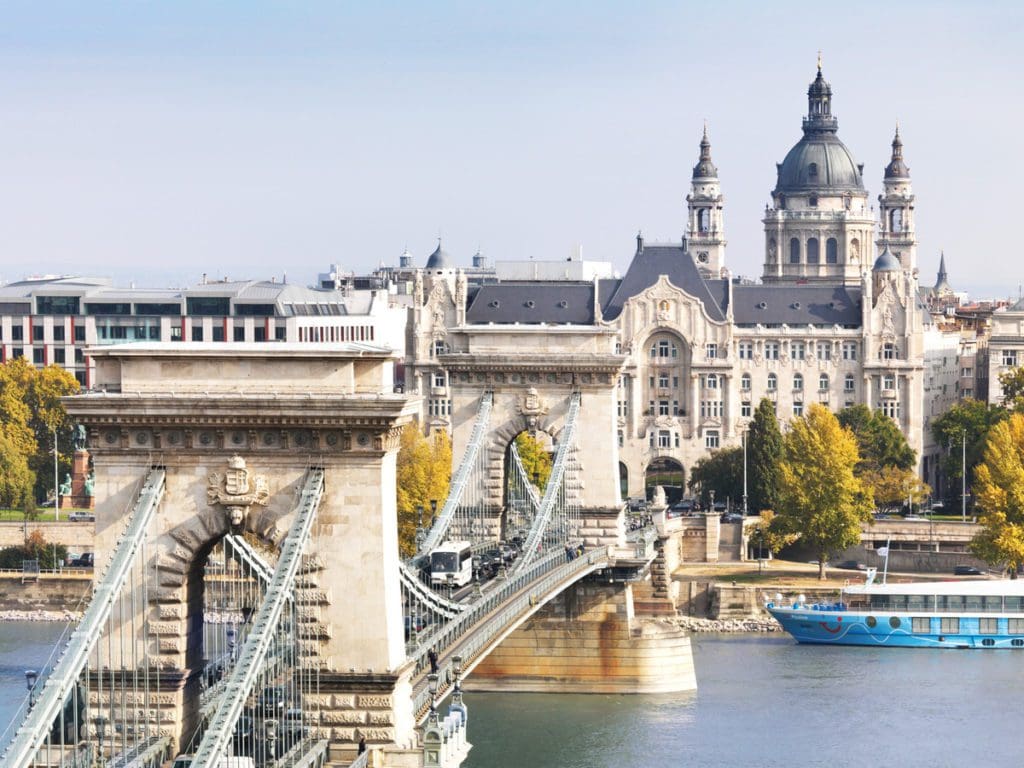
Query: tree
(820, 498)
(769, 535)
(423, 473)
(970, 419)
(880, 441)
(16, 479)
(1012, 383)
(536, 461)
(764, 452)
(721, 472)
(999, 491)
(892, 486)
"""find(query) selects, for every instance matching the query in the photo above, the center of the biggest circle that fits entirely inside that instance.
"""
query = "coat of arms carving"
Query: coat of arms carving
(237, 490)
(532, 406)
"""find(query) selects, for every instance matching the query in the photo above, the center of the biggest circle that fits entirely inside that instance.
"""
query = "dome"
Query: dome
(705, 169)
(439, 259)
(819, 162)
(897, 169)
(886, 263)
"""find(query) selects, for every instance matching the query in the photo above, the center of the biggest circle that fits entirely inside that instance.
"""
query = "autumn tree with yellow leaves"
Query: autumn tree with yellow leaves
(424, 471)
(999, 494)
(820, 498)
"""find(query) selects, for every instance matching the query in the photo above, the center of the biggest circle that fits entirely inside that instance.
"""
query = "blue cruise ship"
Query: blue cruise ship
(942, 614)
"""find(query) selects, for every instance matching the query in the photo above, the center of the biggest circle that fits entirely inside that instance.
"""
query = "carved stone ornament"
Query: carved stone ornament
(532, 406)
(237, 490)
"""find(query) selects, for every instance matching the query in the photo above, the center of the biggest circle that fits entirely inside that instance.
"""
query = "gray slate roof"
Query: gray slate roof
(528, 302)
(797, 304)
(670, 260)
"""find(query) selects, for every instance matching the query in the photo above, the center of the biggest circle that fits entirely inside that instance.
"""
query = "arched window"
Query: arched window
(704, 220)
(823, 382)
(794, 251)
(896, 220)
(831, 251)
(711, 381)
(849, 383)
(745, 382)
(773, 382)
(812, 171)
(798, 381)
(812, 250)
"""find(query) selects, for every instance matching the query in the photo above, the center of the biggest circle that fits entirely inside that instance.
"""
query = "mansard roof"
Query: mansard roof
(532, 302)
(652, 261)
(814, 304)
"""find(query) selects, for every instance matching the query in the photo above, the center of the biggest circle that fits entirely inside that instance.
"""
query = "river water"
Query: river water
(762, 701)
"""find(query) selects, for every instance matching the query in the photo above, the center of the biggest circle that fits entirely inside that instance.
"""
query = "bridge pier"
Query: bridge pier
(588, 640)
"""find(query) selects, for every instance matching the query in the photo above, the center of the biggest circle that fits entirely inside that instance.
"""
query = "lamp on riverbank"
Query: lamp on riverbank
(31, 676)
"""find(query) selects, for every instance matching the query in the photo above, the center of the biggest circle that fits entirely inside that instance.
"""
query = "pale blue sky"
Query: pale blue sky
(157, 141)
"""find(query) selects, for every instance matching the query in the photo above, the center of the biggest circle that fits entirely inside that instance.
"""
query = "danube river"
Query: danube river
(763, 701)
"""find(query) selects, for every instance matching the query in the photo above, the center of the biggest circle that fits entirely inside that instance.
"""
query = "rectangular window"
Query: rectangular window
(710, 381)
(58, 333)
(253, 310)
(59, 356)
(279, 333)
(950, 625)
(259, 333)
(745, 410)
(663, 380)
(891, 408)
(967, 392)
(663, 407)
(1009, 357)
(711, 439)
(746, 350)
(675, 407)
(17, 333)
(650, 381)
(921, 625)
(849, 383)
(824, 350)
(239, 333)
(206, 305)
(39, 356)
(676, 436)
(711, 409)
(711, 351)
(664, 439)
(622, 439)
(17, 352)
(623, 408)
(849, 350)
(218, 333)
(165, 309)
(438, 378)
(771, 350)
(798, 409)
(79, 333)
(56, 305)
(197, 333)
(796, 349)
(80, 378)
(79, 356)
(1015, 626)
(889, 351)
(966, 372)
(889, 381)
(745, 383)
(988, 626)
(37, 334)
(117, 308)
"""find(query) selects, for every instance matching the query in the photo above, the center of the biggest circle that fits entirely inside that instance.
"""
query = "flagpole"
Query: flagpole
(885, 570)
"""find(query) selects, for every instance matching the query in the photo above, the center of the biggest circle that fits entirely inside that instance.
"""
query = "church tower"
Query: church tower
(896, 210)
(705, 230)
(818, 227)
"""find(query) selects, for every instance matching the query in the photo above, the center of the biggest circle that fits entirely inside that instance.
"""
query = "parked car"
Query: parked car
(967, 570)
(84, 560)
(681, 509)
(81, 517)
(732, 517)
(851, 565)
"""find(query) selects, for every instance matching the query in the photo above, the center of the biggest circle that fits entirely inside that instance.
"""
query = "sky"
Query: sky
(153, 142)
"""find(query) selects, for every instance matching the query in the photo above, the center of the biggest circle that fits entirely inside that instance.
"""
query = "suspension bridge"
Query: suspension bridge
(243, 619)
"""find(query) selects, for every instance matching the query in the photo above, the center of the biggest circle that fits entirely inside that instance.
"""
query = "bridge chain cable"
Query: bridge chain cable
(66, 722)
(269, 634)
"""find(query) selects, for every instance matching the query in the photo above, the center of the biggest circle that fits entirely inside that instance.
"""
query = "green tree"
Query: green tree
(769, 533)
(1012, 383)
(892, 486)
(999, 491)
(764, 452)
(820, 498)
(721, 472)
(880, 441)
(16, 479)
(971, 420)
(536, 461)
(423, 473)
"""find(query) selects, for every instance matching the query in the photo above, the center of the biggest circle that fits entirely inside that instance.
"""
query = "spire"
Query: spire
(897, 169)
(819, 105)
(942, 283)
(705, 169)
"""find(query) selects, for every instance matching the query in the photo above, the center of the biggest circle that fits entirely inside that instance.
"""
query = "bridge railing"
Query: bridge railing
(506, 601)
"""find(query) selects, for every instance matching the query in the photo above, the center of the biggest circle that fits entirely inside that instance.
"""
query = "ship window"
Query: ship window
(898, 602)
(1013, 604)
(922, 625)
(992, 603)
(951, 603)
(988, 626)
(1014, 626)
(894, 622)
(974, 603)
(919, 603)
(871, 621)
(951, 625)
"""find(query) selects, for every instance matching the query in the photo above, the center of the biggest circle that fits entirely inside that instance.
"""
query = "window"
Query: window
(439, 348)
(259, 333)
(239, 333)
(79, 356)
(711, 409)
(967, 392)
(80, 378)
(921, 625)
(650, 439)
(889, 381)
(798, 409)
(824, 350)
(205, 305)
(849, 350)
(711, 351)
(664, 348)
(891, 408)
(37, 334)
(197, 333)
(797, 350)
(650, 381)
(831, 251)
(438, 378)
(675, 435)
(252, 310)
(794, 251)
(218, 333)
(773, 382)
(39, 356)
(58, 333)
(745, 410)
(622, 439)
(1014, 626)
(17, 333)
(823, 382)
(663, 407)
(988, 626)
(771, 350)
(161, 310)
(17, 351)
(812, 171)
(675, 382)
(812, 250)
(966, 372)
(798, 381)
(59, 356)
(664, 439)
(746, 350)
(711, 439)
(663, 380)
(439, 407)
(675, 407)
(623, 408)
(950, 625)
(1009, 357)
(79, 333)
(56, 305)
(650, 407)
(889, 351)
(745, 382)
(119, 308)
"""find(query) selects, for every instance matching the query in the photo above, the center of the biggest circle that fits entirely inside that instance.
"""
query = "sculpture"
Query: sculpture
(236, 491)
(90, 483)
(65, 487)
(80, 437)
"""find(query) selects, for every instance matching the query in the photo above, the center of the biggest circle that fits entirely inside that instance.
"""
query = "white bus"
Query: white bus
(452, 563)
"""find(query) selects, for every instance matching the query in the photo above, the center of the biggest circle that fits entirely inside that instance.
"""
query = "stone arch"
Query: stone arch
(667, 472)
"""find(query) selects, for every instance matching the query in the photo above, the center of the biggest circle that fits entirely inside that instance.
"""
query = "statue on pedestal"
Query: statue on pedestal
(65, 487)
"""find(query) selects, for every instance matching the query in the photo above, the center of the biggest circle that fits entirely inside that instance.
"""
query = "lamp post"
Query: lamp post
(101, 732)
(433, 511)
(963, 476)
(745, 472)
(56, 487)
(711, 493)
(420, 533)
(31, 676)
(270, 726)
(432, 688)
